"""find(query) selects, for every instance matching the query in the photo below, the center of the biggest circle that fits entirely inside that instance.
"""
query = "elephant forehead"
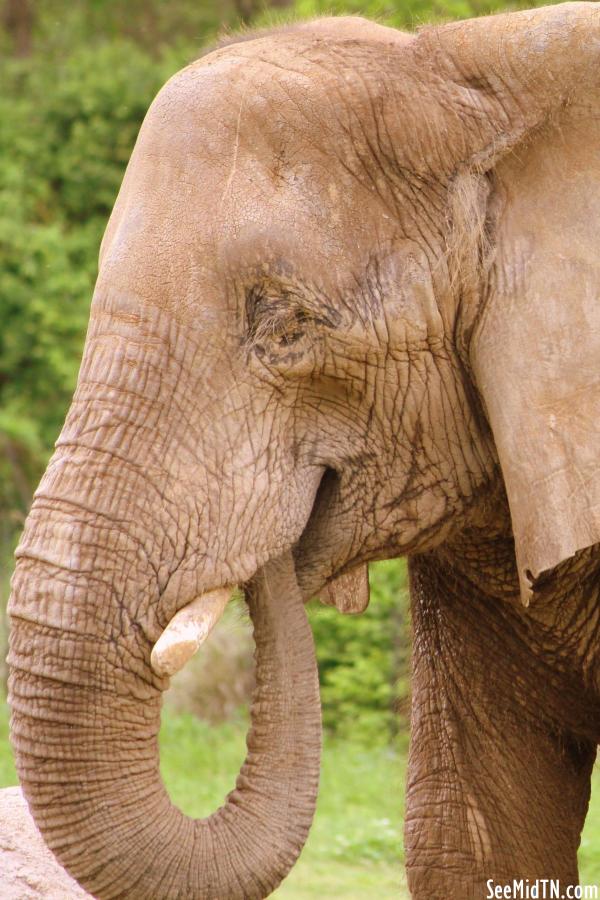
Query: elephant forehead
(256, 105)
(284, 99)
(227, 167)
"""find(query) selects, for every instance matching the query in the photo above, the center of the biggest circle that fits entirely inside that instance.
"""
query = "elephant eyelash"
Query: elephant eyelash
(280, 326)
(279, 322)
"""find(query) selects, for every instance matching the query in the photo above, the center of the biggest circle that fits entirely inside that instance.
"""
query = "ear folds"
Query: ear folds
(535, 350)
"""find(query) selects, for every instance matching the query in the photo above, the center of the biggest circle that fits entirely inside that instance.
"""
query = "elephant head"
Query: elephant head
(331, 316)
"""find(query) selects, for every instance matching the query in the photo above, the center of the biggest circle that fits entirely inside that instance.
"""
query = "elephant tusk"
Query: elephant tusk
(187, 630)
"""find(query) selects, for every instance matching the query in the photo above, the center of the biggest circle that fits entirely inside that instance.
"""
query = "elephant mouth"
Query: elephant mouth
(322, 550)
(189, 628)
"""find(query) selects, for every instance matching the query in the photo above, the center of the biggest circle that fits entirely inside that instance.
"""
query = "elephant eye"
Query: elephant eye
(280, 324)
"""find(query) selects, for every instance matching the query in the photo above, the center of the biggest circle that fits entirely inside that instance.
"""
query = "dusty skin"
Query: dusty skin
(347, 309)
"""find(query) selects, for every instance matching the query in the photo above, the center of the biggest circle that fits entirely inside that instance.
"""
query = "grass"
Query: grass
(354, 848)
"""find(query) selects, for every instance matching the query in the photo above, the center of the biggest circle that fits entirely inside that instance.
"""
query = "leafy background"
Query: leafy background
(77, 77)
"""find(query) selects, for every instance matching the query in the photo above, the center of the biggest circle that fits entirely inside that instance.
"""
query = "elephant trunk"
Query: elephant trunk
(85, 736)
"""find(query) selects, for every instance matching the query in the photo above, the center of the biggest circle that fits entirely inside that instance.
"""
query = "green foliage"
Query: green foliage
(363, 660)
(8, 775)
(57, 26)
(411, 13)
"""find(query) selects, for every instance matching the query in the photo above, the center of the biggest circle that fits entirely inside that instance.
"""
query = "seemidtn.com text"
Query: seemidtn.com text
(540, 889)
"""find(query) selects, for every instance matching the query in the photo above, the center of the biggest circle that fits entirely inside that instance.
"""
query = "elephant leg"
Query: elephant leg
(499, 775)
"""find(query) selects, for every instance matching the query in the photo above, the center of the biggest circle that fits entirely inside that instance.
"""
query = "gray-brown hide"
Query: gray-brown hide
(347, 309)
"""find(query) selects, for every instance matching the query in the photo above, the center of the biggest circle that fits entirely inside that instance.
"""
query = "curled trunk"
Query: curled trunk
(87, 757)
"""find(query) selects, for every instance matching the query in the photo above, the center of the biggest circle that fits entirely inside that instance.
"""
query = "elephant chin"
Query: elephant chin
(87, 758)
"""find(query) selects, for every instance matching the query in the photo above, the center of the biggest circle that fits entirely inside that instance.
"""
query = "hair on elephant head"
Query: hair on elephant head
(347, 304)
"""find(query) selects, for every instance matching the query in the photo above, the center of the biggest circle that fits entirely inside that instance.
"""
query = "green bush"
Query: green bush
(363, 660)
(409, 14)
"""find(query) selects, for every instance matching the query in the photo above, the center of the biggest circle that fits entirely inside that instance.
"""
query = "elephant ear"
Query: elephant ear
(535, 336)
(535, 351)
(349, 593)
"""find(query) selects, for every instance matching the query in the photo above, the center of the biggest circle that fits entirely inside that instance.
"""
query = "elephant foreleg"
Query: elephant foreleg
(499, 778)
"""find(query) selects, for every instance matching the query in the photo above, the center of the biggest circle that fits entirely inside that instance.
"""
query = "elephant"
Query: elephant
(346, 310)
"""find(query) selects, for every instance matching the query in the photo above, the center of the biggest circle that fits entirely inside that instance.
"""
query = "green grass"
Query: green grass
(8, 775)
(354, 848)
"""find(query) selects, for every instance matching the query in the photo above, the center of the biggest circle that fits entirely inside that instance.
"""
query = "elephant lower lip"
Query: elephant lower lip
(187, 631)
(314, 549)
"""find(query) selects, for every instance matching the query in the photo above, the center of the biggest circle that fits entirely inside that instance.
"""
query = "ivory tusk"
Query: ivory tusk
(187, 630)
